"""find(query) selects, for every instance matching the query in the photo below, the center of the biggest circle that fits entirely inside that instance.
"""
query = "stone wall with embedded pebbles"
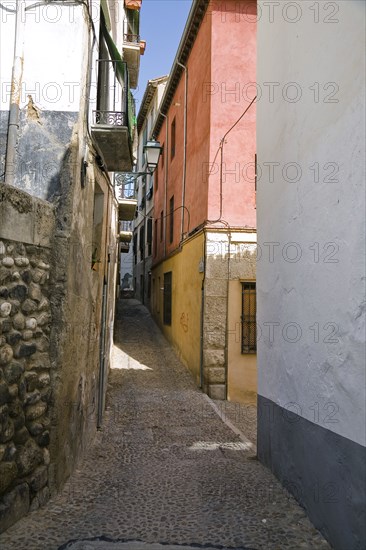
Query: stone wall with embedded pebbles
(25, 391)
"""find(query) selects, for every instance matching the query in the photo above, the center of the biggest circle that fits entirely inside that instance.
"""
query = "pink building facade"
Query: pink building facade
(204, 199)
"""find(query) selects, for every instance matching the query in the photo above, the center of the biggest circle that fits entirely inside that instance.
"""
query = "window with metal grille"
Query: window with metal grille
(167, 312)
(142, 243)
(149, 236)
(135, 249)
(172, 140)
(248, 318)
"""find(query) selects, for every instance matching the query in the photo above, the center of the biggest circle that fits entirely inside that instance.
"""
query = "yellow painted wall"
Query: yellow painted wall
(242, 368)
(184, 332)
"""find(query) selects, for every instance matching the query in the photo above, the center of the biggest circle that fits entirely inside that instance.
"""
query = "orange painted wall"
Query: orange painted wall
(216, 65)
(233, 68)
(198, 145)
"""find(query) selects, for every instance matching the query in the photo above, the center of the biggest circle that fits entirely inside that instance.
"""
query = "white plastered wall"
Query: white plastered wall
(311, 230)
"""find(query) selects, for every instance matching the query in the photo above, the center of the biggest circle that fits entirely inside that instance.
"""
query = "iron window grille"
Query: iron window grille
(113, 91)
(149, 236)
(135, 249)
(248, 318)
(172, 140)
(161, 225)
(142, 242)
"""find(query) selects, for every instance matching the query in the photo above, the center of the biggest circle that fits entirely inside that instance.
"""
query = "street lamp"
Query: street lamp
(152, 151)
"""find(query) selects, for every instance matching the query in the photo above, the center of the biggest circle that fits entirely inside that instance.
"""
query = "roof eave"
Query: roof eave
(189, 36)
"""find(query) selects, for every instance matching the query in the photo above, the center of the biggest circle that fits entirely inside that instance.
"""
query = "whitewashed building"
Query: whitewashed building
(311, 270)
(143, 223)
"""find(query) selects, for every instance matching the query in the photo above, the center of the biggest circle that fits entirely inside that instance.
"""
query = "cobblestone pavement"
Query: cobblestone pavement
(164, 469)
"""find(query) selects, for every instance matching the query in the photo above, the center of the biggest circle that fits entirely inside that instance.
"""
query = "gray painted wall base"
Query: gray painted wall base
(324, 471)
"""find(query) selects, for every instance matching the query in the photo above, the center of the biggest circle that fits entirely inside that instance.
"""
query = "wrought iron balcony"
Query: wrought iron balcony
(125, 236)
(131, 38)
(111, 118)
(132, 46)
(114, 120)
(127, 201)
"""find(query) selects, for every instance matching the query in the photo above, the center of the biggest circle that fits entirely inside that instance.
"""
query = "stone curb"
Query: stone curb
(230, 425)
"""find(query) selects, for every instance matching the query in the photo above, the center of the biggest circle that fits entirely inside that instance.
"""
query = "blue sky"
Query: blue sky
(161, 25)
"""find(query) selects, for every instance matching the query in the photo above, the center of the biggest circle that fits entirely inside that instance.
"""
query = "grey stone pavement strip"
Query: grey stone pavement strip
(165, 468)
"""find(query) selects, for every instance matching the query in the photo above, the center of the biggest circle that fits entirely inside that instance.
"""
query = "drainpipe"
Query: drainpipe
(226, 351)
(16, 80)
(184, 144)
(165, 175)
(103, 373)
(144, 244)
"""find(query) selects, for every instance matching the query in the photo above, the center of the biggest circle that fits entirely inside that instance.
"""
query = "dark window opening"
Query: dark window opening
(248, 318)
(144, 135)
(172, 140)
(155, 237)
(135, 249)
(149, 236)
(142, 243)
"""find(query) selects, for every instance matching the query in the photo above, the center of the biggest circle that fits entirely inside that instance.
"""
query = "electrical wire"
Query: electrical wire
(146, 217)
(9, 10)
(221, 150)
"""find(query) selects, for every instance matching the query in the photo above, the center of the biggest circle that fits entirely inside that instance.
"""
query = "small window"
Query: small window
(172, 140)
(144, 136)
(158, 296)
(161, 225)
(155, 237)
(171, 219)
(142, 242)
(149, 236)
(167, 312)
(135, 250)
(248, 318)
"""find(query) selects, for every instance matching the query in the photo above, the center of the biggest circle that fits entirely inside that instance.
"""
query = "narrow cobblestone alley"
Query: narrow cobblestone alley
(164, 469)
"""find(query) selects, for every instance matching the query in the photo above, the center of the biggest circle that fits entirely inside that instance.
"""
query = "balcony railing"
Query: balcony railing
(131, 45)
(126, 195)
(125, 185)
(111, 118)
(126, 226)
(114, 119)
(131, 38)
(113, 88)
